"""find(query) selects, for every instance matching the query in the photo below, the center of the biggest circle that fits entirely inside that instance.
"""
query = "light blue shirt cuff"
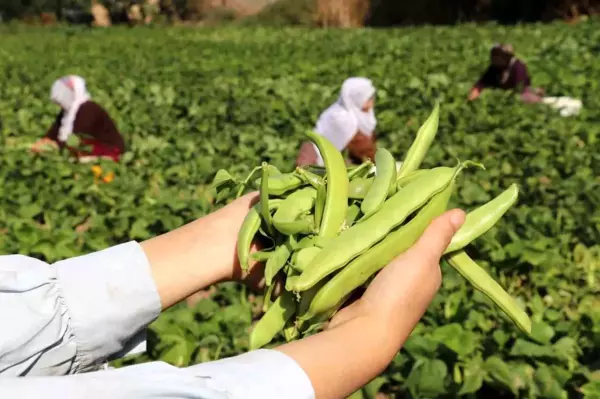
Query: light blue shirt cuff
(111, 298)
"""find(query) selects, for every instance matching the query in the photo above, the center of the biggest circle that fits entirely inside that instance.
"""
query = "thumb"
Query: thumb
(433, 242)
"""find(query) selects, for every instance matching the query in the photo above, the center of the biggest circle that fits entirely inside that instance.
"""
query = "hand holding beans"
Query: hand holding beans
(334, 229)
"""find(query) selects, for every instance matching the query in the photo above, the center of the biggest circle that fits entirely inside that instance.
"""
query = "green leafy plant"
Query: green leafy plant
(191, 102)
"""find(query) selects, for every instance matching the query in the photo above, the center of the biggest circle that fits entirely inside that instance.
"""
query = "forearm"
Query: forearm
(198, 254)
(336, 363)
(344, 358)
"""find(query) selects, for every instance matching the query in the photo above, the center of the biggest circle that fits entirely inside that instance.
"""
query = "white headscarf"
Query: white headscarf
(343, 119)
(69, 92)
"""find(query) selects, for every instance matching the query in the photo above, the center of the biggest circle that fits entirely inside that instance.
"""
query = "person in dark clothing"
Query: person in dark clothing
(85, 118)
(506, 72)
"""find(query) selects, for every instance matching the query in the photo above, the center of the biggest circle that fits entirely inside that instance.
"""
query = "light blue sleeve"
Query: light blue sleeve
(261, 374)
(72, 316)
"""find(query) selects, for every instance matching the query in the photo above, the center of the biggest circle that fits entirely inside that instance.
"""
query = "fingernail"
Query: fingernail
(457, 218)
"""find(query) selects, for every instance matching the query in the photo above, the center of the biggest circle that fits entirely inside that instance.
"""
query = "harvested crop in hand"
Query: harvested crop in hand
(329, 231)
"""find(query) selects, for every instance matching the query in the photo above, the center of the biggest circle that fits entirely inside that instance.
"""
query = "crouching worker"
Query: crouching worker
(506, 72)
(349, 124)
(85, 118)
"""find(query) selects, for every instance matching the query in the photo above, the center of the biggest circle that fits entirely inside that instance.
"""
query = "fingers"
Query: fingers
(436, 238)
(412, 279)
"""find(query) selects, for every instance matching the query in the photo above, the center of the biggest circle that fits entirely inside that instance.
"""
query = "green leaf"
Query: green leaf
(548, 386)
(455, 338)
(499, 372)
(427, 378)
(473, 380)
(139, 230)
(542, 332)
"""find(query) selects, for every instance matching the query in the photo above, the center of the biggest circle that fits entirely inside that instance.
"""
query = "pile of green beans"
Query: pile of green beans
(326, 232)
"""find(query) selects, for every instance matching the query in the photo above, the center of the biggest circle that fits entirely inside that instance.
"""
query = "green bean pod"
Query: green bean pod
(267, 297)
(479, 221)
(264, 199)
(276, 262)
(302, 258)
(307, 298)
(352, 214)
(320, 205)
(273, 321)
(309, 177)
(290, 332)
(403, 181)
(384, 179)
(361, 170)
(290, 218)
(248, 230)
(482, 281)
(304, 225)
(358, 187)
(360, 237)
(282, 183)
(250, 226)
(421, 144)
(357, 272)
(261, 256)
(336, 202)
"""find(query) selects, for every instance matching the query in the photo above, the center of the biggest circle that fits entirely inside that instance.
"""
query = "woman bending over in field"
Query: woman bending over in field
(349, 124)
(506, 72)
(83, 117)
(509, 73)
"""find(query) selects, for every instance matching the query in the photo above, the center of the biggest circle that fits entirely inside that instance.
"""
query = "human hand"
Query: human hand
(363, 338)
(43, 144)
(411, 279)
(202, 253)
(474, 94)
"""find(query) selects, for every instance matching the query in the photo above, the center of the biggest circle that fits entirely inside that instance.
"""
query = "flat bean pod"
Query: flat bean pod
(267, 297)
(261, 256)
(352, 214)
(336, 201)
(276, 262)
(302, 258)
(479, 221)
(273, 321)
(290, 332)
(320, 204)
(358, 188)
(360, 237)
(420, 146)
(264, 199)
(282, 183)
(357, 272)
(385, 178)
(288, 219)
(310, 178)
(248, 230)
(482, 281)
(403, 181)
(250, 226)
(361, 170)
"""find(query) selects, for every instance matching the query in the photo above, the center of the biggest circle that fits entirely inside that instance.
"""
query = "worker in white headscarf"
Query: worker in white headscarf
(349, 124)
(81, 116)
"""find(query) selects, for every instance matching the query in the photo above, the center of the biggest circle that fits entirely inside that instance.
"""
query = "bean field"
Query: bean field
(192, 101)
